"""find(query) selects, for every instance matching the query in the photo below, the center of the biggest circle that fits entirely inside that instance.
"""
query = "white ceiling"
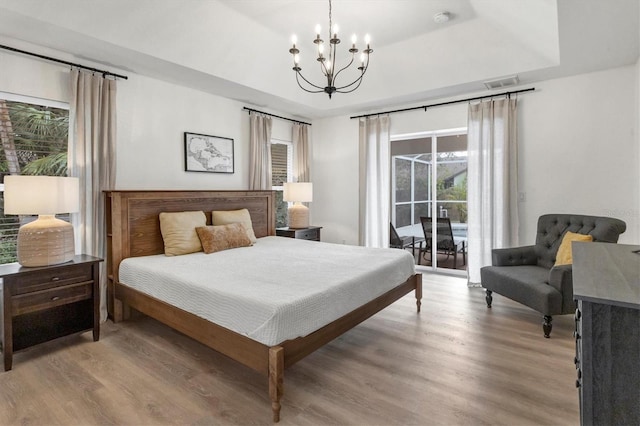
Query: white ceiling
(239, 48)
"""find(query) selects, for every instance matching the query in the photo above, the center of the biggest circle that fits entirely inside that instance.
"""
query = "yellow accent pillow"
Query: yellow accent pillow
(223, 237)
(225, 217)
(179, 232)
(564, 256)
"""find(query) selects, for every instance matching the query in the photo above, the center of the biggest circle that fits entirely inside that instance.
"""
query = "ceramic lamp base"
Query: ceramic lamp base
(298, 216)
(45, 241)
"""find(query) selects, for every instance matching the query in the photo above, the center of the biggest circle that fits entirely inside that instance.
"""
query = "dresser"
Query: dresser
(310, 233)
(43, 303)
(606, 286)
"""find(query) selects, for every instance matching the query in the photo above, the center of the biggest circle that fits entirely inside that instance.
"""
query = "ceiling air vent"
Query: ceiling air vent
(501, 82)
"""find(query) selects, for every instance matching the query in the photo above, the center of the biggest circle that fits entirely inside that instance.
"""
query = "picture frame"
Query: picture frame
(208, 154)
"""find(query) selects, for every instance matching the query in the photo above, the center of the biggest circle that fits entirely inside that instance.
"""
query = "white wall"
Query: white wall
(579, 143)
(579, 149)
(578, 152)
(152, 118)
(22, 75)
(334, 173)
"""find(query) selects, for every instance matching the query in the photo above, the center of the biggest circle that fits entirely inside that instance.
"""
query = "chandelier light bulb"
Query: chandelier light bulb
(335, 30)
(362, 58)
(328, 66)
(318, 30)
(367, 39)
(354, 38)
(320, 48)
(294, 39)
(296, 58)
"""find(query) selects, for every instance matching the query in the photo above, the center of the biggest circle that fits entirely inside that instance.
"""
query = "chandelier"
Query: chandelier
(328, 62)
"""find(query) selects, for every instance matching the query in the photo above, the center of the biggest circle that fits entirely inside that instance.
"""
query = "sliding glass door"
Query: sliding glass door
(429, 195)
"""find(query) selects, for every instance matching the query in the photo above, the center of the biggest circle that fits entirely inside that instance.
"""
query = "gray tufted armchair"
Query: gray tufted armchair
(528, 275)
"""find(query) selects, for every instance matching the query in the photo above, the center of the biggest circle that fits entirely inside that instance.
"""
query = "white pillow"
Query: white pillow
(179, 232)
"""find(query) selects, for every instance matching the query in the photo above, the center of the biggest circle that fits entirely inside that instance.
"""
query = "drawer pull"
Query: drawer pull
(54, 298)
(55, 279)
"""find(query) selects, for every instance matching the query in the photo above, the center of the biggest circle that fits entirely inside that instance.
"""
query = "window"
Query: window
(281, 172)
(34, 135)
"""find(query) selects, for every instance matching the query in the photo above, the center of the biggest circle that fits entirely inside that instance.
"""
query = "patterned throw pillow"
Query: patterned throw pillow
(223, 237)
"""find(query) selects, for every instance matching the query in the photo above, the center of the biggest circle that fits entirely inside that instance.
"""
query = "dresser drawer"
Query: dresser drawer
(49, 298)
(55, 277)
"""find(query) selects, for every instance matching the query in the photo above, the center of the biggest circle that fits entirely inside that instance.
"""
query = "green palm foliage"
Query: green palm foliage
(40, 137)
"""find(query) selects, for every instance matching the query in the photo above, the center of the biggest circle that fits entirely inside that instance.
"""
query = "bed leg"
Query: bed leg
(117, 310)
(419, 291)
(276, 376)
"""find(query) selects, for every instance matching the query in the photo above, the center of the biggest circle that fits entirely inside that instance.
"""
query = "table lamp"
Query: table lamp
(47, 240)
(298, 192)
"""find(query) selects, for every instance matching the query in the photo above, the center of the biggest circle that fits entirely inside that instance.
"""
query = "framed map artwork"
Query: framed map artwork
(205, 153)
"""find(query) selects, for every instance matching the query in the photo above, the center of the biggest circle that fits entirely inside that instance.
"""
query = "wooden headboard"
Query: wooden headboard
(133, 224)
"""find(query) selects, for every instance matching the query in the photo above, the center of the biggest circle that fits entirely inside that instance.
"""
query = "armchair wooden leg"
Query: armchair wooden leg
(546, 325)
(489, 298)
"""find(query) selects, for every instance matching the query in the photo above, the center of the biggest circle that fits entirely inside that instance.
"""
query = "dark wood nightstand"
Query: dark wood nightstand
(43, 303)
(310, 233)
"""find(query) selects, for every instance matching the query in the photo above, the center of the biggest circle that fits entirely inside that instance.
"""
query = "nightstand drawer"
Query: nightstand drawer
(49, 298)
(311, 233)
(308, 234)
(55, 277)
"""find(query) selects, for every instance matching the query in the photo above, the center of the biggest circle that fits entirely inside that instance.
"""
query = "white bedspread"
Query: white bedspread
(276, 290)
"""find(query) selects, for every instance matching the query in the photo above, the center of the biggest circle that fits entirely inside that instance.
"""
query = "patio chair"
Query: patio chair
(446, 243)
(407, 241)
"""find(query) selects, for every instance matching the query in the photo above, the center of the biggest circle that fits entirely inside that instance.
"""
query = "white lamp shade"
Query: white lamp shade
(42, 195)
(298, 192)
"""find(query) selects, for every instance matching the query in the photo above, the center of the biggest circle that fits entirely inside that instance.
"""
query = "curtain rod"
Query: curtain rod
(276, 116)
(49, 58)
(445, 103)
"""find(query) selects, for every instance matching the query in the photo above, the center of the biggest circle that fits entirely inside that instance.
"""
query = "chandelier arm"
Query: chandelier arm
(299, 74)
(324, 69)
(359, 81)
(344, 68)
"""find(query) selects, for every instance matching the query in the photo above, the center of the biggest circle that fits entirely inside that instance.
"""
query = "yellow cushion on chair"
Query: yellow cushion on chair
(564, 256)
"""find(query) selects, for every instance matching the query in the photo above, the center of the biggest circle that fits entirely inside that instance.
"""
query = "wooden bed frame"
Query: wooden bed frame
(133, 229)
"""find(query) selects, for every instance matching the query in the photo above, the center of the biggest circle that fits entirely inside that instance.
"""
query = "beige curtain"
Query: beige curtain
(260, 151)
(300, 138)
(91, 157)
(492, 182)
(375, 181)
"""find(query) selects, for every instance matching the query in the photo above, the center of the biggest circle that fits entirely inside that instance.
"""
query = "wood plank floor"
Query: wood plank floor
(456, 363)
